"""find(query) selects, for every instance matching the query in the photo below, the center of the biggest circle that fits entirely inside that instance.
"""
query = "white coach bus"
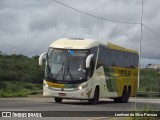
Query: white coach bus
(86, 69)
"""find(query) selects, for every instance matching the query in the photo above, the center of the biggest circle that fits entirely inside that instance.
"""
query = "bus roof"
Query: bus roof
(74, 43)
(79, 43)
(117, 47)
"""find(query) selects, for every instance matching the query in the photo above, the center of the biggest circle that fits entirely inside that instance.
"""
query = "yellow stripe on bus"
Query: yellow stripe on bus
(55, 85)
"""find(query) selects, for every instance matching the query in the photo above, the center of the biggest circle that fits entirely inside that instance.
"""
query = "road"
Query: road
(48, 104)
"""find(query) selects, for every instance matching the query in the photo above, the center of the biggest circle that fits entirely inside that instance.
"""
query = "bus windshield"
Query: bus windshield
(63, 65)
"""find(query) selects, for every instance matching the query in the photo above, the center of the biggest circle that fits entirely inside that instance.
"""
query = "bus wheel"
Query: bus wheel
(58, 100)
(95, 98)
(117, 100)
(125, 97)
(128, 95)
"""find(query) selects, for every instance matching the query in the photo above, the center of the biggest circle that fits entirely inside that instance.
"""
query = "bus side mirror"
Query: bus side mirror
(41, 57)
(88, 60)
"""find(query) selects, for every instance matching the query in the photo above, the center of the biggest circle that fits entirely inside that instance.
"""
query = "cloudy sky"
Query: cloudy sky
(30, 26)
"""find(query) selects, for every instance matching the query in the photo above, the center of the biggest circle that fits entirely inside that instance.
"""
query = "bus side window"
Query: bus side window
(114, 65)
(114, 58)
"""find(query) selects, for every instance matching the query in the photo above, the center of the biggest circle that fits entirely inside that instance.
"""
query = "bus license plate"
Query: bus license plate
(62, 94)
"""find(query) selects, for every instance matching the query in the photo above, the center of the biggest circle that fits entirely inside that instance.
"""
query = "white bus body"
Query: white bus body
(86, 69)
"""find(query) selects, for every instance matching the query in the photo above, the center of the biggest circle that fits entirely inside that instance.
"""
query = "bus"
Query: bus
(86, 69)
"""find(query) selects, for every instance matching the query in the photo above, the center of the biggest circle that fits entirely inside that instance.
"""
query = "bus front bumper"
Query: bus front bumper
(82, 94)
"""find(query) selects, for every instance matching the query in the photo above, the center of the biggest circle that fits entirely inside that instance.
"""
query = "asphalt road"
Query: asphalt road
(48, 104)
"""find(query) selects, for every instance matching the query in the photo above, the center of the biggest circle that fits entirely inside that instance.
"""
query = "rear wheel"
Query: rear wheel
(117, 100)
(124, 98)
(128, 95)
(95, 99)
(59, 100)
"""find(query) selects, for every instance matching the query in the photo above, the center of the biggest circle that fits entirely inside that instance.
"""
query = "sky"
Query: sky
(30, 26)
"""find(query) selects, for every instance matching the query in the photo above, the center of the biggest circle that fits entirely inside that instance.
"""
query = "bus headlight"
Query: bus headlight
(45, 84)
(82, 86)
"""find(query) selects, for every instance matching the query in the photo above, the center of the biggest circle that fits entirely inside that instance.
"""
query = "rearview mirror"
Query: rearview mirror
(88, 60)
(41, 57)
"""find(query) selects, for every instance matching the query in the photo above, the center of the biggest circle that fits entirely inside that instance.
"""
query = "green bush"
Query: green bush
(18, 89)
(20, 75)
(149, 80)
(21, 68)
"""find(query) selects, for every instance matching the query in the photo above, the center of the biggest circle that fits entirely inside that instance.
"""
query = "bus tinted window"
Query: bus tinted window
(115, 58)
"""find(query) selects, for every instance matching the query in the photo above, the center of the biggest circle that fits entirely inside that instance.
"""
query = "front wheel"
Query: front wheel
(95, 99)
(59, 100)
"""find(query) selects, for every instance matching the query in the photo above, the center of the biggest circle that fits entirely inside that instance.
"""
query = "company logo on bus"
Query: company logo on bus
(124, 73)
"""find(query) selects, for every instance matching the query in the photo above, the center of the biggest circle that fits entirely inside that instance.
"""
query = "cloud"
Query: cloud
(32, 25)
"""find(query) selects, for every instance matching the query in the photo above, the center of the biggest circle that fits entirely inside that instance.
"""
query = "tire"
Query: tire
(128, 95)
(95, 98)
(117, 100)
(125, 97)
(58, 100)
(122, 99)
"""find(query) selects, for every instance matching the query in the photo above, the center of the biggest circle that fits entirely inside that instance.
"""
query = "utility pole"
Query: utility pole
(140, 47)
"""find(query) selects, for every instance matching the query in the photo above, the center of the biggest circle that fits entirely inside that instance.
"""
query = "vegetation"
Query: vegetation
(20, 68)
(20, 75)
(18, 88)
(149, 80)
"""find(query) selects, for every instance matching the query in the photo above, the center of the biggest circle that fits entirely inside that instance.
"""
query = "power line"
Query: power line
(151, 30)
(110, 20)
(123, 22)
